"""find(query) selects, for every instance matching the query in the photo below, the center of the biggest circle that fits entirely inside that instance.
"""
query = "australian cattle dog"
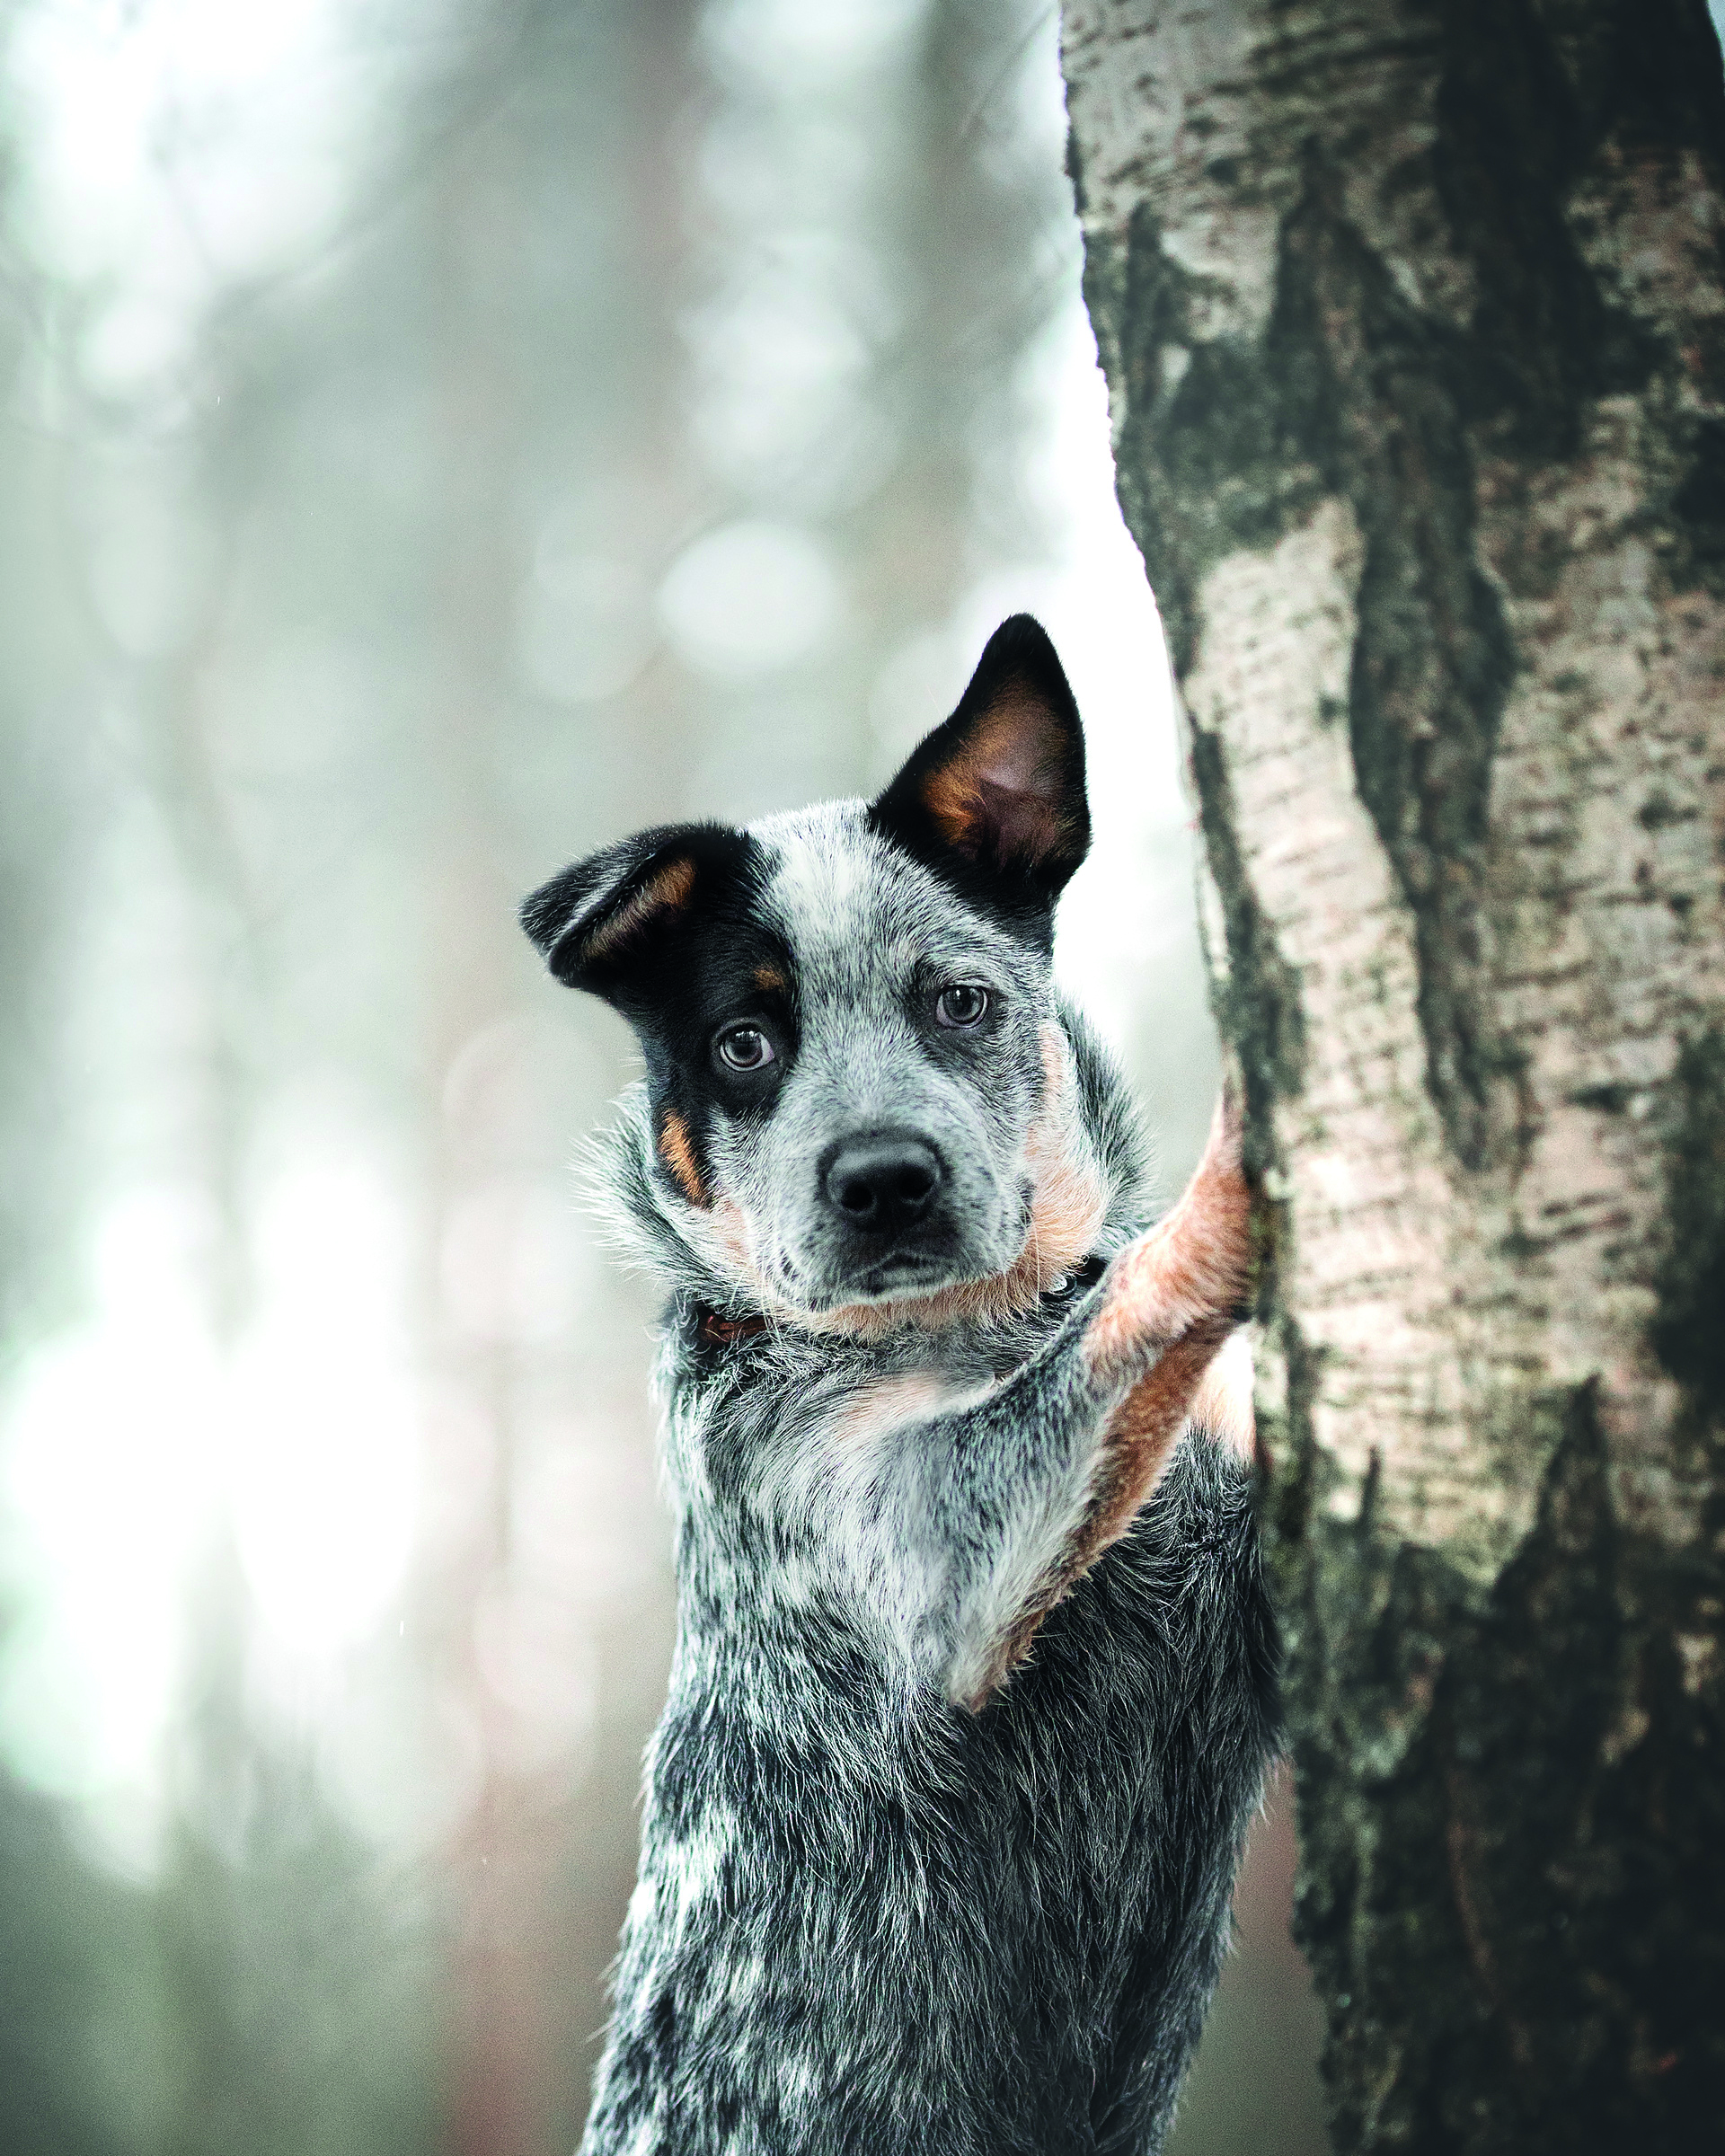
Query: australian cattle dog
(974, 1685)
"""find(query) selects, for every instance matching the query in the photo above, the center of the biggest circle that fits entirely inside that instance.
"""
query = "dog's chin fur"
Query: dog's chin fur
(895, 1280)
(904, 1282)
(1042, 1266)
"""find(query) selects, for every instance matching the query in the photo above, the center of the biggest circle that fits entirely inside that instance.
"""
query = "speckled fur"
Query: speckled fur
(943, 1812)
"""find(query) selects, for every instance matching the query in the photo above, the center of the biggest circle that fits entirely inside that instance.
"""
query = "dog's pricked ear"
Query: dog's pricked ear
(994, 797)
(599, 922)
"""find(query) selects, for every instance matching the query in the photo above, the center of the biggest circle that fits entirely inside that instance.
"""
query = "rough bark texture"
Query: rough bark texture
(1414, 322)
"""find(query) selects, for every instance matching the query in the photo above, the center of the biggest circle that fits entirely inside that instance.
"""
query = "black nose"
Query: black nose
(882, 1182)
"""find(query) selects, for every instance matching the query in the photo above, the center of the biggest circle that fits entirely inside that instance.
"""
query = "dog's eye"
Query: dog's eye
(745, 1048)
(961, 1005)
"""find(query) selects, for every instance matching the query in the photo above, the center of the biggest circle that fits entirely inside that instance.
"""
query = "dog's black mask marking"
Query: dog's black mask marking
(992, 801)
(663, 927)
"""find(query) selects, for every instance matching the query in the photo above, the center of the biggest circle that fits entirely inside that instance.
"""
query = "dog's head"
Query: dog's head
(860, 1097)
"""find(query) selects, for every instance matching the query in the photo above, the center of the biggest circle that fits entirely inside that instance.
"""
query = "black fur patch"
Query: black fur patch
(685, 969)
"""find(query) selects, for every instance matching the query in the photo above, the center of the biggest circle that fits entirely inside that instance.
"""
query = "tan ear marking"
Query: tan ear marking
(1012, 752)
(677, 1150)
(665, 891)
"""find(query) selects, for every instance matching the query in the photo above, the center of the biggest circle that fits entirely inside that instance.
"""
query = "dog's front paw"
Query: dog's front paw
(1189, 1277)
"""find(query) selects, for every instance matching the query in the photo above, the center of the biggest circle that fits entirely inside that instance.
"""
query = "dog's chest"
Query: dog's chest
(790, 1466)
(802, 1569)
(790, 1431)
(808, 1817)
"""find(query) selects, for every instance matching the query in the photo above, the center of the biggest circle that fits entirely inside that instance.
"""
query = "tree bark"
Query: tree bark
(1414, 329)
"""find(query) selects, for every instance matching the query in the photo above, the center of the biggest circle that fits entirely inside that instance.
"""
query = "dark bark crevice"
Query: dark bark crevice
(1207, 463)
(1520, 119)
(1375, 394)
(1258, 1002)
(1688, 1331)
(1532, 102)
(1508, 1810)
(1351, 392)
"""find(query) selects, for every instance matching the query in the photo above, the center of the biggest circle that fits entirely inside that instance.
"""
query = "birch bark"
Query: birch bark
(1414, 327)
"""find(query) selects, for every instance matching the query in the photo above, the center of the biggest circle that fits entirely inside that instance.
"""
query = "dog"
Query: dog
(974, 1690)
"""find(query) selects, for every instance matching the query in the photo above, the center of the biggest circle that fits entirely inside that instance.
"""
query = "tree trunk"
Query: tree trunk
(1413, 323)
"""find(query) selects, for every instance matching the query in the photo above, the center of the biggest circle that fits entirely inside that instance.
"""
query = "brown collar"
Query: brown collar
(719, 1332)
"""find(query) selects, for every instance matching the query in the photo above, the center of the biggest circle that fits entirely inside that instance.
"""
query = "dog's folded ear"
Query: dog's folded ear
(994, 799)
(604, 923)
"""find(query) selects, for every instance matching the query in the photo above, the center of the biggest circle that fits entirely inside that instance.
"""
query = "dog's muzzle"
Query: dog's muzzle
(883, 1196)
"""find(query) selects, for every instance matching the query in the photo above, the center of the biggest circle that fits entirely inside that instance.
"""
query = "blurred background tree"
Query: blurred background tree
(437, 439)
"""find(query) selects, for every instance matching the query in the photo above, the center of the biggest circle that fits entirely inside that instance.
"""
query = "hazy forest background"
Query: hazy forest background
(437, 437)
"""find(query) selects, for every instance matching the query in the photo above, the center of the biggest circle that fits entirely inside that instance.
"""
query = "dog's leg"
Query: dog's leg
(1001, 1506)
